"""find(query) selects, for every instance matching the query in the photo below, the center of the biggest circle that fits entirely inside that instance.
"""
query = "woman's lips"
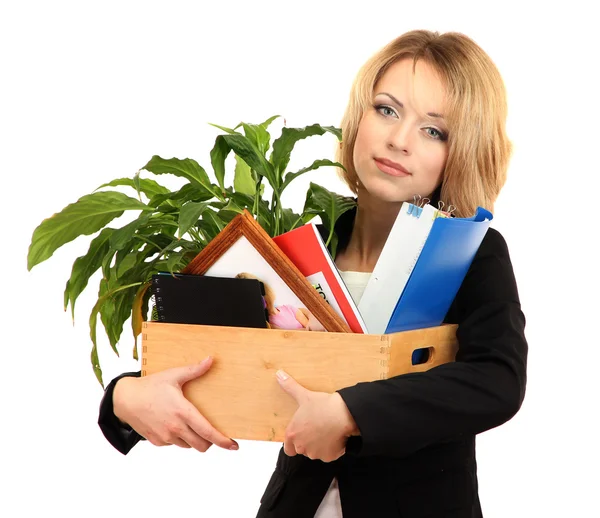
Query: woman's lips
(388, 169)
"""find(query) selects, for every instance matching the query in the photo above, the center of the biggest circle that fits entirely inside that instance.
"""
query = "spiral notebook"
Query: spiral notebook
(218, 301)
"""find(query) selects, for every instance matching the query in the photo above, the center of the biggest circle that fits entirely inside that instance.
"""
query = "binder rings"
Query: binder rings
(199, 299)
(442, 265)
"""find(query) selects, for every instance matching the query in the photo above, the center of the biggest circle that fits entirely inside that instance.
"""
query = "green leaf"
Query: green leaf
(137, 315)
(96, 365)
(189, 215)
(315, 165)
(210, 225)
(232, 207)
(85, 266)
(177, 260)
(242, 146)
(93, 320)
(137, 184)
(155, 240)
(226, 130)
(186, 168)
(149, 187)
(162, 256)
(291, 220)
(125, 262)
(117, 263)
(245, 201)
(86, 216)
(187, 193)
(329, 206)
(214, 219)
(244, 181)
(259, 136)
(283, 146)
(218, 154)
(335, 131)
(268, 122)
(109, 315)
(148, 240)
(229, 212)
(118, 308)
(122, 236)
(174, 260)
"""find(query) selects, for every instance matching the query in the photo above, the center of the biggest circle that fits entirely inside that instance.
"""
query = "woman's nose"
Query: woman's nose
(400, 138)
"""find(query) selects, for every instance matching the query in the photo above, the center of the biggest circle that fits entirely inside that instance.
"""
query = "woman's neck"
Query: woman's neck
(372, 224)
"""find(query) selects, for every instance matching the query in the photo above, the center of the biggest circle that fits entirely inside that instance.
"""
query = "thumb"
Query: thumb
(187, 373)
(291, 386)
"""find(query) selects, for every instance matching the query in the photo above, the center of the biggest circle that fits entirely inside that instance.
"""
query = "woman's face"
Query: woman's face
(401, 146)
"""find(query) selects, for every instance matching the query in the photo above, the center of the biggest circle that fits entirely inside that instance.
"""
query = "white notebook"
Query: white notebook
(395, 264)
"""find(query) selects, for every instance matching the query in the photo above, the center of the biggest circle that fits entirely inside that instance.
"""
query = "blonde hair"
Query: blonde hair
(478, 147)
(269, 293)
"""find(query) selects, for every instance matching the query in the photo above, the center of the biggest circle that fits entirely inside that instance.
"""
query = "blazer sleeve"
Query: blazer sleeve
(119, 434)
(482, 389)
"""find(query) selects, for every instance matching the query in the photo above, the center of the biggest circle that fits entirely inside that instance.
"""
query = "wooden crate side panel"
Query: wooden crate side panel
(441, 339)
(240, 395)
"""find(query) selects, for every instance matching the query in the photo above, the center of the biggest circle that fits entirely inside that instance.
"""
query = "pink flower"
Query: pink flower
(285, 318)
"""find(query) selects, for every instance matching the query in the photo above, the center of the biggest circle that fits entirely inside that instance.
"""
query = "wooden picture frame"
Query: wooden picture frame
(245, 226)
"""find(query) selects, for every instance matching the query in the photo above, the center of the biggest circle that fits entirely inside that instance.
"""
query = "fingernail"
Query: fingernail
(234, 446)
(281, 375)
(206, 360)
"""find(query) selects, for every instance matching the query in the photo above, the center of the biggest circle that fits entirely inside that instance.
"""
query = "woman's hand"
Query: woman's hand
(320, 426)
(155, 407)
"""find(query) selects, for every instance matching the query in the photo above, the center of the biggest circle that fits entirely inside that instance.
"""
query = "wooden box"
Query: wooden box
(240, 395)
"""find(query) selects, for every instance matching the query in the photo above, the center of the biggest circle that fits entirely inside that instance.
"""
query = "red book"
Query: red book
(304, 246)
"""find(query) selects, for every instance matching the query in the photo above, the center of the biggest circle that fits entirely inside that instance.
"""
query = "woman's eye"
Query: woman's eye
(435, 133)
(385, 110)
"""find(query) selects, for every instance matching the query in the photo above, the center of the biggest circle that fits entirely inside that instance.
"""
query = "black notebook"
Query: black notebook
(216, 301)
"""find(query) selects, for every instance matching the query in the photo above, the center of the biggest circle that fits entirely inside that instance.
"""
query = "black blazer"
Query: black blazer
(415, 457)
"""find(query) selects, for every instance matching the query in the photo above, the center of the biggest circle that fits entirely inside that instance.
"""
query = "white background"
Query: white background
(90, 91)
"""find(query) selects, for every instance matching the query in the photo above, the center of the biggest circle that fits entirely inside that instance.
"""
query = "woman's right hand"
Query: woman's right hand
(155, 407)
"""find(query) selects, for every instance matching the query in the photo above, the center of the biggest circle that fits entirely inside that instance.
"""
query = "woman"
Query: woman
(426, 117)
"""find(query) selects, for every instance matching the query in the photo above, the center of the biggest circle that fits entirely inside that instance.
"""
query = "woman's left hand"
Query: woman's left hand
(320, 426)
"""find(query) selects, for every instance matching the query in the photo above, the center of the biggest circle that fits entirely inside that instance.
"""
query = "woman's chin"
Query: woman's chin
(386, 192)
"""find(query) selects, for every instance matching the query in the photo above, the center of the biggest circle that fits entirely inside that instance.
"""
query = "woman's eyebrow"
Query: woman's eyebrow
(430, 114)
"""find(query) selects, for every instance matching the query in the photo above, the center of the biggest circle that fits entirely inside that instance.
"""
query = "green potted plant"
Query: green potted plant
(174, 226)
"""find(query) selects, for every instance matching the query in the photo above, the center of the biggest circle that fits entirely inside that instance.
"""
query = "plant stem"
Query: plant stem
(296, 222)
(145, 240)
(274, 220)
(279, 213)
(195, 235)
(330, 236)
(257, 197)
(168, 248)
